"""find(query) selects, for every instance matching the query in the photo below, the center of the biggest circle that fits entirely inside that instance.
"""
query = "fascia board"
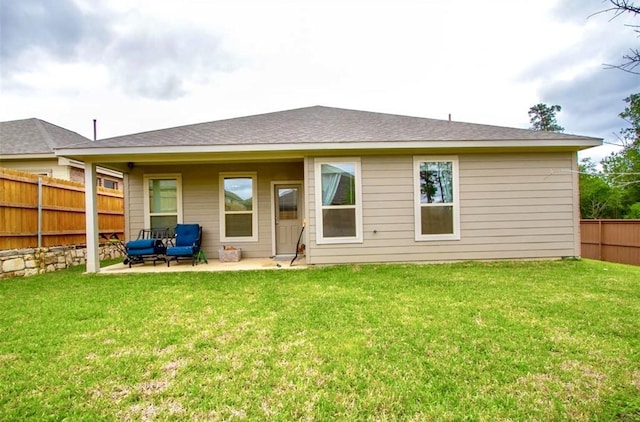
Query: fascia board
(27, 156)
(190, 149)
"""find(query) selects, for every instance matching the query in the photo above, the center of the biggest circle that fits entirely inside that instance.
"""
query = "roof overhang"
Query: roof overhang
(63, 161)
(120, 156)
(43, 156)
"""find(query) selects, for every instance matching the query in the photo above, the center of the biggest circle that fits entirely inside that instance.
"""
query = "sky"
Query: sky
(139, 65)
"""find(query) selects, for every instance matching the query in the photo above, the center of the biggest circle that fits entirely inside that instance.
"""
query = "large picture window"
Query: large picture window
(239, 214)
(163, 201)
(338, 200)
(437, 210)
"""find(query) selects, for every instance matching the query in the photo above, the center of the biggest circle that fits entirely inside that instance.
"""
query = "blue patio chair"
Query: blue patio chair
(151, 245)
(187, 243)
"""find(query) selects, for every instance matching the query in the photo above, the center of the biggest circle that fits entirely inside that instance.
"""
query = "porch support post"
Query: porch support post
(91, 211)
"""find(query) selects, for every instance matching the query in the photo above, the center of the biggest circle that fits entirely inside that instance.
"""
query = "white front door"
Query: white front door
(288, 217)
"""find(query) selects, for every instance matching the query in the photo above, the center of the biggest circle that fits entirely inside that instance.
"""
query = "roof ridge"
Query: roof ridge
(45, 134)
(208, 122)
(246, 116)
(63, 128)
(457, 122)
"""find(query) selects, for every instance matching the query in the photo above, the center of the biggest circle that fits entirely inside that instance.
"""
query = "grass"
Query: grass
(469, 341)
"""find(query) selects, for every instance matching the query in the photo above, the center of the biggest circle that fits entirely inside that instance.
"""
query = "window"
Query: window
(338, 201)
(111, 184)
(239, 214)
(437, 210)
(107, 183)
(163, 201)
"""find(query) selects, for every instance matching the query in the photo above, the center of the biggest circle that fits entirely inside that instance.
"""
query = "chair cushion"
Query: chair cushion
(181, 251)
(187, 234)
(138, 252)
(141, 244)
(145, 247)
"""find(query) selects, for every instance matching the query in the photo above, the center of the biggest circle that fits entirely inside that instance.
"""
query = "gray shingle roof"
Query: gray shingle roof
(320, 124)
(35, 136)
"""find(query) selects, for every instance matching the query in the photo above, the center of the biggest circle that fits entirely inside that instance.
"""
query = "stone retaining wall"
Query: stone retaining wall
(26, 262)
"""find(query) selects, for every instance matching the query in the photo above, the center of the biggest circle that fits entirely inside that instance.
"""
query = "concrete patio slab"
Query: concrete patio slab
(245, 264)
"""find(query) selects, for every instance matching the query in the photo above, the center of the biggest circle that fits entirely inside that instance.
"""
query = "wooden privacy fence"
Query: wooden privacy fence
(40, 211)
(611, 240)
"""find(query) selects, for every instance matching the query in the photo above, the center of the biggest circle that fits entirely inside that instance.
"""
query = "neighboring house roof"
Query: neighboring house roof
(34, 136)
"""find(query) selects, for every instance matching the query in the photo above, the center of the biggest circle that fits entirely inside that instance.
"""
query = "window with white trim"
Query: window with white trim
(338, 200)
(437, 209)
(238, 207)
(107, 183)
(162, 200)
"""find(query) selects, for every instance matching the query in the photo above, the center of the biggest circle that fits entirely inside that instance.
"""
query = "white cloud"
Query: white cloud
(170, 63)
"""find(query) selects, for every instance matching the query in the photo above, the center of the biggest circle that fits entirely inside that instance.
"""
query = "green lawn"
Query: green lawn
(475, 341)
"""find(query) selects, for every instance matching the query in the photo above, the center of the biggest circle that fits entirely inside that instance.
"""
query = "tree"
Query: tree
(615, 191)
(543, 117)
(631, 61)
(634, 211)
(622, 169)
(597, 198)
(631, 114)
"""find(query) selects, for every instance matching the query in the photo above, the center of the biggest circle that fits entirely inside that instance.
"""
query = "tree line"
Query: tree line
(613, 189)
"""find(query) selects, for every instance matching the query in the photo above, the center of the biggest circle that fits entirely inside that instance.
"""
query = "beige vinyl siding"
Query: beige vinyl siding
(512, 206)
(134, 203)
(127, 208)
(51, 167)
(200, 200)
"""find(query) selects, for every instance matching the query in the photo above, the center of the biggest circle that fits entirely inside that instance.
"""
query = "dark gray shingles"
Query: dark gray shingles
(320, 124)
(35, 136)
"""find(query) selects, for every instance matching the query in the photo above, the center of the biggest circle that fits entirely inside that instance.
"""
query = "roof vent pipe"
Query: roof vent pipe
(95, 132)
(449, 117)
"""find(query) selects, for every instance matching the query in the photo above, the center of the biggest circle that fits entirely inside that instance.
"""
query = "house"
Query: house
(28, 145)
(371, 187)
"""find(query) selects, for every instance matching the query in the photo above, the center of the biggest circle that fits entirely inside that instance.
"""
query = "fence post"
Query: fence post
(600, 240)
(39, 212)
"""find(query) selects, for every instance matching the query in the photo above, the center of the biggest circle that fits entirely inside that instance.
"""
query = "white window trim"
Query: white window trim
(418, 205)
(102, 179)
(320, 239)
(145, 182)
(254, 211)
